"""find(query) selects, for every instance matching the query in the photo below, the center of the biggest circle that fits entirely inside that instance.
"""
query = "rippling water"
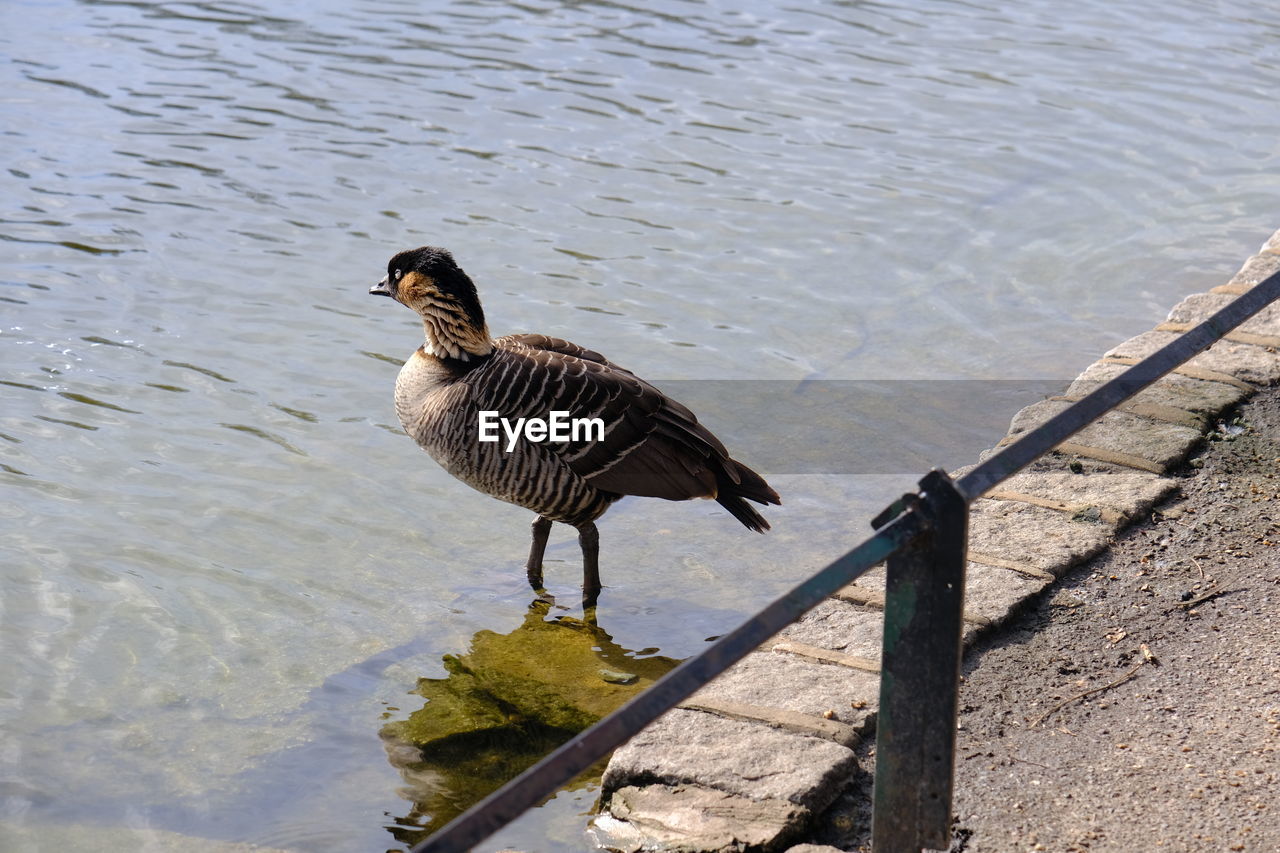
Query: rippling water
(224, 566)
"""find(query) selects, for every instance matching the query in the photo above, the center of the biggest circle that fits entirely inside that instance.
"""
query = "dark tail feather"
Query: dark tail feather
(742, 511)
(736, 482)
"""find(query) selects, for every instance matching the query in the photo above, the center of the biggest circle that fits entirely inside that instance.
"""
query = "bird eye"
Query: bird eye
(398, 274)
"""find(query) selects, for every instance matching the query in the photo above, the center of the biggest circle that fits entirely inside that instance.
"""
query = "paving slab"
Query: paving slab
(1127, 493)
(690, 818)
(1203, 399)
(1119, 435)
(693, 748)
(842, 627)
(1260, 266)
(993, 594)
(775, 679)
(782, 719)
(1035, 537)
(1200, 306)
(1245, 362)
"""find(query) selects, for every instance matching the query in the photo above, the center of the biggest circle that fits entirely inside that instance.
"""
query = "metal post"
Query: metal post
(919, 677)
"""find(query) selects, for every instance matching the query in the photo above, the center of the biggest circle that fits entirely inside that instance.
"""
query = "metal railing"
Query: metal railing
(923, 539)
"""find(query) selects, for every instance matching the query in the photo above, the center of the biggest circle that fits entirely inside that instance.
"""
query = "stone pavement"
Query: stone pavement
(749, 761)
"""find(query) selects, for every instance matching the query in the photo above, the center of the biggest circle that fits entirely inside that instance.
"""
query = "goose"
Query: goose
(651, 445)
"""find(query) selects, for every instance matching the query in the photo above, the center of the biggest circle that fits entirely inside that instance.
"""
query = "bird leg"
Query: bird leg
(533, 568)
(589, 539)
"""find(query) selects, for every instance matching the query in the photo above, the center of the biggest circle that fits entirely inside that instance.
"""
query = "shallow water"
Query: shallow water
(224, 567)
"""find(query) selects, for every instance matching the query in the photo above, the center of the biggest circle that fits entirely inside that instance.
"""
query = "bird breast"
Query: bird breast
(427, 399)
(438, 409)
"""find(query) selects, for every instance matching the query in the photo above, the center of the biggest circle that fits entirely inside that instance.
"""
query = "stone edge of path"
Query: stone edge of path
(747, 762)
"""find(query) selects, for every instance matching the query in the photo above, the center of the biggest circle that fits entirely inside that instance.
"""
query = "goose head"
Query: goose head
(430, 282)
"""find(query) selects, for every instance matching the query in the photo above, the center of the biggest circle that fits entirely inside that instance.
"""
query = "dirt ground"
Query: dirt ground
(1073, 738)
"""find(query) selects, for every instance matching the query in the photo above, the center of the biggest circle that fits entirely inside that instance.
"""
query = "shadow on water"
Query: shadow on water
(506, 703)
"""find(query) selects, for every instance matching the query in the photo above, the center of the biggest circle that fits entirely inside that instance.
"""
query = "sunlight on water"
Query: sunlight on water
(224, 565)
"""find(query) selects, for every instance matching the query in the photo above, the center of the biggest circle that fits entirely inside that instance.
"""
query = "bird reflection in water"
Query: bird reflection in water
(504, 704)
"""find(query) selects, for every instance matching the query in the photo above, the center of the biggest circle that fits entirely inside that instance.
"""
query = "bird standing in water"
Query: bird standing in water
(651, 445)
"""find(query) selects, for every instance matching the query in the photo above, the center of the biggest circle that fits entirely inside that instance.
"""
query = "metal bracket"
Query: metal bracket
(906, 503)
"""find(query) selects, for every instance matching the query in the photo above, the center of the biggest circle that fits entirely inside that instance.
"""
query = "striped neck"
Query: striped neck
(451, 336)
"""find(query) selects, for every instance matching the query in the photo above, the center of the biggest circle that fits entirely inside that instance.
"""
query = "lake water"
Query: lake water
(224, 566)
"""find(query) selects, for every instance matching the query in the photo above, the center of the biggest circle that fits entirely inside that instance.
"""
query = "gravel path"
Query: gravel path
(1073, 738)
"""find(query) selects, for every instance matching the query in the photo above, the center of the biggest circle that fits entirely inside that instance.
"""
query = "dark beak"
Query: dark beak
(382, 288)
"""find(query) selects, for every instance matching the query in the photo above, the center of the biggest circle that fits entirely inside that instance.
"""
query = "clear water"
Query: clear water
(223, 567)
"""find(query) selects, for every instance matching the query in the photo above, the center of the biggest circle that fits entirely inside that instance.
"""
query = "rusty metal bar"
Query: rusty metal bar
(920, 675)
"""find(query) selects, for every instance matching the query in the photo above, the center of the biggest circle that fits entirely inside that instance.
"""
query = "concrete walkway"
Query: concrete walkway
(752, 760)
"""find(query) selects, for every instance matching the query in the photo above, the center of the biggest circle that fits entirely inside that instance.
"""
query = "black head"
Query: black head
(428, 280)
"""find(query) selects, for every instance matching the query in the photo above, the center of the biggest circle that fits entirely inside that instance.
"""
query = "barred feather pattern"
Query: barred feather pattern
(652, 445)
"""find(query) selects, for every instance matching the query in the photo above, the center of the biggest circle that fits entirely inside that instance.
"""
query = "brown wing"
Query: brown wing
(560, 345)
(652, 445)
